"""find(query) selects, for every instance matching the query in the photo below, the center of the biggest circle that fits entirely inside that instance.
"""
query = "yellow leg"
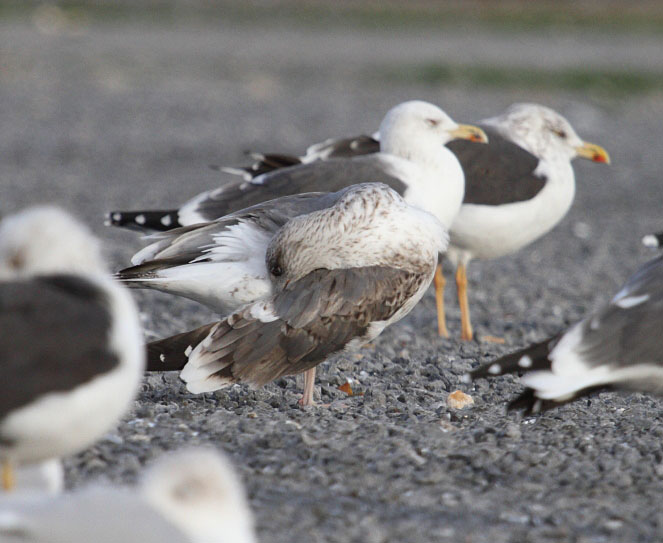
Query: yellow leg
(465, 323)
(439, 282)
(309, 381)
(7, 476)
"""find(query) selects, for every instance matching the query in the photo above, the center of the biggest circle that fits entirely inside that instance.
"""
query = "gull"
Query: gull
(71, 344)
(413, 160)
(618, 346)
(192, 496)
(517, 187)
(335, 278)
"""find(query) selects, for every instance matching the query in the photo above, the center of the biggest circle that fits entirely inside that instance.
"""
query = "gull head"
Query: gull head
(46, 240)
(199, 492)
(547, 134)
(415, 127)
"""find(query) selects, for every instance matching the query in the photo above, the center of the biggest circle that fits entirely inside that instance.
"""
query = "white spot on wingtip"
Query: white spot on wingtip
(631, 301)
(140, 219)
(525, 362)
(162, 357)
(650, 241)
(117, 217)
(187, 351)
(166, 220)
(495, 369)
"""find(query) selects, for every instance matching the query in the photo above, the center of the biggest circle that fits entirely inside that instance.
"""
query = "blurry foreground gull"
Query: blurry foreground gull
(71, 345)
(186, 497)
(619, 346)
(336, 278)
(413, 160)
(517, 187)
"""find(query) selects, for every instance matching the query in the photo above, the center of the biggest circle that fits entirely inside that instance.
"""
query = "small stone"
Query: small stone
(459, 400)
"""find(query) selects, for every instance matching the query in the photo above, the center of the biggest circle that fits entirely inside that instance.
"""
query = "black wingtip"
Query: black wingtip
(172, 353)
(534, 357)
(158, 220)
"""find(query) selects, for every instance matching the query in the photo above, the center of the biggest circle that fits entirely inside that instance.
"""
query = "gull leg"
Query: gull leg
(439, 282)
(461, 284)
(7, 476)
(309, 381)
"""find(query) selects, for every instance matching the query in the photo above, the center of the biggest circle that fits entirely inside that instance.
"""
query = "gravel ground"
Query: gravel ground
(124, 116)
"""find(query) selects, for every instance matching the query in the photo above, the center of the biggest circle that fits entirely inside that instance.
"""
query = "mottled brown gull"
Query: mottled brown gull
(337, 277)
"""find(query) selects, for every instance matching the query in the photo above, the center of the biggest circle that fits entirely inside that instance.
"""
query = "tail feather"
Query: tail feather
(172, 353)
(530, 359)
(148, 270)
(159, 220)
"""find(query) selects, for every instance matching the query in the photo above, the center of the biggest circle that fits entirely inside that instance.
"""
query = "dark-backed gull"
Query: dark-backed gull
(618, 346)
(186, 497)
(336, 278)
(413, 161)
(517, 188)
(71, 346)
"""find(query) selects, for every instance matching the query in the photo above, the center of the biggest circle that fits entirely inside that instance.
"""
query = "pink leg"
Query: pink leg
(309, 381)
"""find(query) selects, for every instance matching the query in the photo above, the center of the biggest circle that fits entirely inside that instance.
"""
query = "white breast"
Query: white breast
(482, 231)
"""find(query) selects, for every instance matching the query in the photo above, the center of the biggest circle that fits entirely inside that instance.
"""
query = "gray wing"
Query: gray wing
(322, 176)
(628, 331)
(187, 244)
(54, 337)
(499, 172)
(318, 316)
(96, 515)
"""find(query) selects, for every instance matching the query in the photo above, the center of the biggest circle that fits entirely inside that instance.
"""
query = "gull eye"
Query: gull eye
(432, 122)
(275, 269)
(559, 133)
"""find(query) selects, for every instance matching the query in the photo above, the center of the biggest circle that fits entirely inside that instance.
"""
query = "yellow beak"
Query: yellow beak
(469, 132)
(593, 152)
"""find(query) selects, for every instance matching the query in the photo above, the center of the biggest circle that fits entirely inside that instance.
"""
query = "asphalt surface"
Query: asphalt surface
(130, 115)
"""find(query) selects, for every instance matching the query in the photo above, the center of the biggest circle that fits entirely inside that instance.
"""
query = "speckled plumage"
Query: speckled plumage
(340, 275)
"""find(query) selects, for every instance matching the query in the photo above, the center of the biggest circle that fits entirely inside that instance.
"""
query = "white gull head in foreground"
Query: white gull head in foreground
(338, 276)
(71, 343)
(186, 497)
